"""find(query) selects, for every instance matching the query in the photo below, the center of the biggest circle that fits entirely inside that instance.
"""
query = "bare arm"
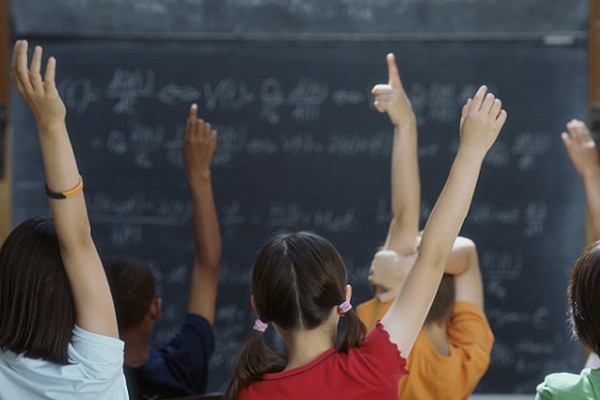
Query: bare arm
(389, 269)
(406, 189)
(467, 275)
(199, 147)
(93, 302)
(481, 122)
(584, 154)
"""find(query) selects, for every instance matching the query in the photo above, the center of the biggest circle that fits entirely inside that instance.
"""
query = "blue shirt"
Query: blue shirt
(94, 372)
(179, 368)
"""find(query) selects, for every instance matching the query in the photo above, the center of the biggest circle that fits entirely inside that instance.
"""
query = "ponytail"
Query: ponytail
(254, 361)
(354, 332)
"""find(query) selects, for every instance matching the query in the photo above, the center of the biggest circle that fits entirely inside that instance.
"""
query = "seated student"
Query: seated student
(452, 351)
(299, 284)
(584, 309)
(180, 367)
(58, 329)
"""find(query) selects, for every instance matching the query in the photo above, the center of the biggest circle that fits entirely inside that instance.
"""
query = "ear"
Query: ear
(348, 291)
(155, 310)
(253, 305)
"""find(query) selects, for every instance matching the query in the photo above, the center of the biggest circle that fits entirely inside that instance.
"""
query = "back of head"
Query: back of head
(133, 288)
(443, 303)
(37, 313)
(298, 279)
(584, 297)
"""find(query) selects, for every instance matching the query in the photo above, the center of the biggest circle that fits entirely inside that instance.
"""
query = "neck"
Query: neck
(137, 346)
(305, 346)
(437, 333)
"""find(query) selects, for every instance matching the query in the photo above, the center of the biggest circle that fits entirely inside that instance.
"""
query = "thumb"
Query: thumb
(393, 74)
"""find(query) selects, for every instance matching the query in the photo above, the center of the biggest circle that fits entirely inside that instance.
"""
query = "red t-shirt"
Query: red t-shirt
(371, 371)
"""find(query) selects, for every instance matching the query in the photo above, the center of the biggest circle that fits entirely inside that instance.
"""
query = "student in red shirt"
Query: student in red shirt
(299, 285)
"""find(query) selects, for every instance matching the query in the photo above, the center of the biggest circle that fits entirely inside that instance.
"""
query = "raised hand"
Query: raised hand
(40, 95)
(388, 271)
(481, 121)
(392, 98)
(581, 148)
(200, 142)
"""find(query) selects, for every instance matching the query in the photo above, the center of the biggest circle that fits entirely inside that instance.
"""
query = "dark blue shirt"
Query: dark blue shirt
(179, 368)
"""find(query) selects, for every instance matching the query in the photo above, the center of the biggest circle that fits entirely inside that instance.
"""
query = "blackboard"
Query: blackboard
(300, 147)
(240, 18)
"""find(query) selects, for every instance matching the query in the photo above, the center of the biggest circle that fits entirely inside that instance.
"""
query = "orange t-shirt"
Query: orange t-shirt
(433, 376)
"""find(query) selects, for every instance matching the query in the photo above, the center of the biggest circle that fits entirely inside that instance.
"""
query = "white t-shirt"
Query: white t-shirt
(95, 372)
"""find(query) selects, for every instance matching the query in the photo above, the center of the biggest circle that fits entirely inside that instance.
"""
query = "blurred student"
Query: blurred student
(299, 285)
(584, 309)
(58, 329)
(583, 152)
(180, 367)
(452, 351)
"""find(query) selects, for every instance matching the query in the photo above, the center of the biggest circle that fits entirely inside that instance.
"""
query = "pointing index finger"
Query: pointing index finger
(393, 74)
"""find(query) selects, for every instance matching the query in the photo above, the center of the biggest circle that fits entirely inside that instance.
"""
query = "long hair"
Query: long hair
(298, 278)
(37, 312)
(584, 297)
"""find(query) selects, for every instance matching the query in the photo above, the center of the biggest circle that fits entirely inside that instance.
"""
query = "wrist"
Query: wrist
(50, 125)
(198, 179)
(473, 156)
(591, 173)
(406, 125)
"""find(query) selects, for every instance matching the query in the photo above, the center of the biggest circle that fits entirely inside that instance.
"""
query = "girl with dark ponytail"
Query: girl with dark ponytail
(299, 286)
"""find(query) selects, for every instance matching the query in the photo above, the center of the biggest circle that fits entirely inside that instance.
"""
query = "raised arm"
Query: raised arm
(93, 303)
(389, 269)
(481, 122)
(406, 189)
(200, 143)
(584, 154)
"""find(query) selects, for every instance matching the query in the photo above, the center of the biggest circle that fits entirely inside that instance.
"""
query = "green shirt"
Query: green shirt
(570, 386)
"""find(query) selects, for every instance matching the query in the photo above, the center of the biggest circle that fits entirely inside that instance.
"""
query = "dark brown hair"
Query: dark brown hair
(37, 313)
(133, 288)
(443, 303)
(298, 278)
(584, 297)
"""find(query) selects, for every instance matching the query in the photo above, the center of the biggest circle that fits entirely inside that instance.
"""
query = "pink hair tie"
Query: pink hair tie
(344, 308)
(260, 326)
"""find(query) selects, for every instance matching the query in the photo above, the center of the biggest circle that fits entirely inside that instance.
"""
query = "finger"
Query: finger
(50, 74)
(34, 70)
(576, 133)
(501, 118)
(22, 72)
(488, 102)
(384, 97)
(496, 108)
(583, 131)
(194, 112)
(13, 62)
(478, 99)
(380, 89)
(213, 139)
(380, 106)
(393, 74)
(567, 140)
(465, 110)
(206, 132)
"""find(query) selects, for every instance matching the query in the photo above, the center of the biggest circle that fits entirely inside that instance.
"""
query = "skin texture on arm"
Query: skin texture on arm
(200, 143)
(93, 302)
(389, 269)
(481, 122)
(406, 188)
(583, 152)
